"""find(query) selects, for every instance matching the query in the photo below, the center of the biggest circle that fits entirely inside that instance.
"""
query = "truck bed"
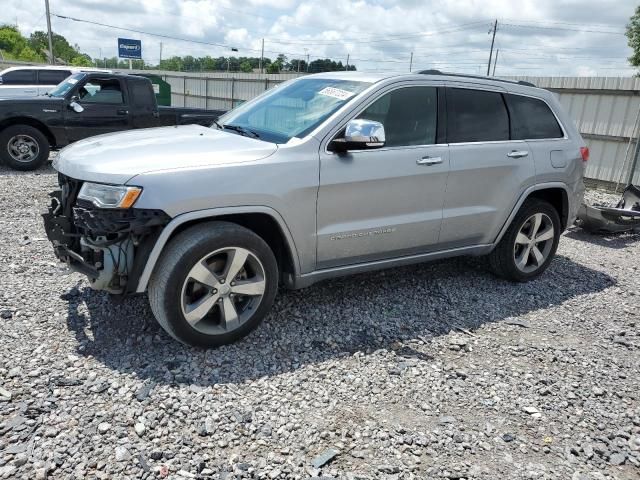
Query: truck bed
(186, 116)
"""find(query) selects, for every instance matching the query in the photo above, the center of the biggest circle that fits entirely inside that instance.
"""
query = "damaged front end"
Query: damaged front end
(108, 245)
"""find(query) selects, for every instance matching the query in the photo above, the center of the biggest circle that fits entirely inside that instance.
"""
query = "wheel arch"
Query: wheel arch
(556, 193)
(32, 122)
(263, 221)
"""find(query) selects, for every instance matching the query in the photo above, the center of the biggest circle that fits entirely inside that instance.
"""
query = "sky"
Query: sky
(534, 37)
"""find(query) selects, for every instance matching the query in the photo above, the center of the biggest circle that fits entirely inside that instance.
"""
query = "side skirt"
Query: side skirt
(308, 279)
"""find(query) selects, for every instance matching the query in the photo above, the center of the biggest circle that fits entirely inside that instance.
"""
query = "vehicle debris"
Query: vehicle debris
(622, 217)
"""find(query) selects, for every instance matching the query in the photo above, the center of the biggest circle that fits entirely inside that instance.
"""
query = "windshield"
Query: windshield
(67, 84)
(293, 109)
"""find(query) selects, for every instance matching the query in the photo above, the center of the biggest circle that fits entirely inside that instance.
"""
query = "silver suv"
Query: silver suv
(325, 175)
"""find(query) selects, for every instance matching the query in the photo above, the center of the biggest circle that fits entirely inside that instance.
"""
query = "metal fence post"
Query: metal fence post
(206, 92)
(184, 91)
(233, 85)
(266, 83)
(634, 162)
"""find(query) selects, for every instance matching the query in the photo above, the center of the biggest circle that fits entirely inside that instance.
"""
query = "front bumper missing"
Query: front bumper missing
(110, 246)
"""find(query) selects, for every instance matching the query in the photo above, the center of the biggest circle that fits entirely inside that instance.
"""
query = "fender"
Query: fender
(523, 197)
(210, 213)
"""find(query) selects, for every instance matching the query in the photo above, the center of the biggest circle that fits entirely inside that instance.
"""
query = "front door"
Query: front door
(383, 203)
(105, 109)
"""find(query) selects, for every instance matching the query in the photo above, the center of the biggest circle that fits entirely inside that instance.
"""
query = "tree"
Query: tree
(633, 34)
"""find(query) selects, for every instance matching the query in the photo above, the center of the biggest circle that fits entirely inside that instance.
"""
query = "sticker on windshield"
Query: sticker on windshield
(72, 81)
(336, 93)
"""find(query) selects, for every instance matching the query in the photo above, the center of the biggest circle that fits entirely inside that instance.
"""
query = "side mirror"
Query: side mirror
(75, 106)
(360, 134)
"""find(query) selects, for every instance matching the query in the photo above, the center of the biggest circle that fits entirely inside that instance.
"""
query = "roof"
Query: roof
(373, 77)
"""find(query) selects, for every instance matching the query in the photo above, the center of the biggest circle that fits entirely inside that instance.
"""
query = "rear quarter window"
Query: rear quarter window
(141, 93)
(476, 116)
(531, 119)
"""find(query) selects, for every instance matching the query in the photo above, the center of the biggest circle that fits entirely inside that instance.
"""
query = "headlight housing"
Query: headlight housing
(109, 196)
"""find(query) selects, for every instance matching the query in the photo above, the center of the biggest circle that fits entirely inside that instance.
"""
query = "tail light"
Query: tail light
(584, 153)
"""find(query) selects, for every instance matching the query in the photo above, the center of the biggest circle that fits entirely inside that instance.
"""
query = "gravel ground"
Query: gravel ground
(432, 371)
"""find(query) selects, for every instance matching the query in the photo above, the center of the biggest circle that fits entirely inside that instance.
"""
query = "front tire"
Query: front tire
(214, 284)
(529, 244)
(23, 147)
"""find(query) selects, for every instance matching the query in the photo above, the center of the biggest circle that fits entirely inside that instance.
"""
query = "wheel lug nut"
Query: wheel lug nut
(233, 284)
(222, 280)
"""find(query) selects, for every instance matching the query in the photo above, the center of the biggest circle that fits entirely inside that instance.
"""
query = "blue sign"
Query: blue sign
(128, 48)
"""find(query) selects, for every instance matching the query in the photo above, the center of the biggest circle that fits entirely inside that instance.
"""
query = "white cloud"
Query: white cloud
(535, 37)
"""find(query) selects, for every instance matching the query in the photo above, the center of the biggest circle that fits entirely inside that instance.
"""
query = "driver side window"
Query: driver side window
(101, 91)
(409, 116)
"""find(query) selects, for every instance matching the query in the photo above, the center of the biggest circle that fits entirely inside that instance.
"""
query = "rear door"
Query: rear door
(383, 203)
(489, 170)
(47, 79)
(19, 83)
(533, 120)
(106, 109)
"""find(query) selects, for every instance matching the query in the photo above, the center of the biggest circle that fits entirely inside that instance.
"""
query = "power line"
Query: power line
(519, 25)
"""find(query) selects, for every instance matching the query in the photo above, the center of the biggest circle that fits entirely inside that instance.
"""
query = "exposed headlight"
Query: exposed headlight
(109, 196)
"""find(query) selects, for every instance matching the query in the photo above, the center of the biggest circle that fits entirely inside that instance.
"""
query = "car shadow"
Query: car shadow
(335, 318)
(607, 240)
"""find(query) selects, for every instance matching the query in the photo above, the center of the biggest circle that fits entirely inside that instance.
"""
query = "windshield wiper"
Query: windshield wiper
(217, 124)
(241, 130)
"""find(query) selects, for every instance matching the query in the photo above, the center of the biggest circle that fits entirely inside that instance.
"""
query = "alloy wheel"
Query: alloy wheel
(533, 243)
(223, 290)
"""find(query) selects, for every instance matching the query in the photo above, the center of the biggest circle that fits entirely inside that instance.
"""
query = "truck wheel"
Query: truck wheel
(23, 147)
(214, 284)
(529, 244)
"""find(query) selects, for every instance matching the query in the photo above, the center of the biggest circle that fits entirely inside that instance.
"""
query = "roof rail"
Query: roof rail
(464, 75)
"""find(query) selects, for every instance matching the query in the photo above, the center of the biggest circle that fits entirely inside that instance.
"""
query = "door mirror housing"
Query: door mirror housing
(360, 134)
(75, 106)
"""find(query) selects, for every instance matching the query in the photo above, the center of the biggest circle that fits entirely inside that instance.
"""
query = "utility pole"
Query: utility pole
(347, 62)
(411, 62)
(262, 56)
(306, 51)
(493, 39)
(52, 57)
(495, 62)
(160, 61)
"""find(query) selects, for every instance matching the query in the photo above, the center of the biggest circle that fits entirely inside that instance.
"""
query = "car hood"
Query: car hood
(117, 157)
(20, 101)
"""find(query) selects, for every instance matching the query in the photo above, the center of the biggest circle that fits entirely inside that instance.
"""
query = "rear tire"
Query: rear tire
(529, 244)
(201, 306)
(23, 147)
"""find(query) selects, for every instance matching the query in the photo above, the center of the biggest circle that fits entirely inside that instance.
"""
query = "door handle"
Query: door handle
(123, 112)
(428, 161)
(517, 153)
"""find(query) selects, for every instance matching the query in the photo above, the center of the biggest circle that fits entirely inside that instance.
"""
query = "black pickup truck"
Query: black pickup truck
(83, 105)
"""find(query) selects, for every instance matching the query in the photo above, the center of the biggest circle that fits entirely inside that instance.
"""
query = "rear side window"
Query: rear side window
(52, 77)
(409, 116)
(531, 119)
(19, 77)
(476, 116)
(141, 93)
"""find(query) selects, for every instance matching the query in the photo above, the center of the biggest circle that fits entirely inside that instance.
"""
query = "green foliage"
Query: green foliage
(633, 34)
(35, 49)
